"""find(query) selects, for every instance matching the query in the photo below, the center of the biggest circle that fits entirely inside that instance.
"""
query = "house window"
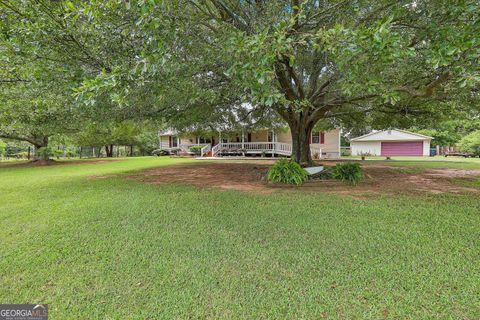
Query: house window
(204, 140)
(318, 137)
(270, 136)
(173, 142)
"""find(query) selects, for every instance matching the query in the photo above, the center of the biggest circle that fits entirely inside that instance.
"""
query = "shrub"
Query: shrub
(196, 149)
(70, 153)
(351, 173)
(471, 143)
(57, 153)
(345, 152)
(44, 153)
(286, 171)
(160, 152)
(21, 155)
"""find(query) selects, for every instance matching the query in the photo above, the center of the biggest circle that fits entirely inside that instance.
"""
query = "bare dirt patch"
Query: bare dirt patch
(236, 176)
(250, 176)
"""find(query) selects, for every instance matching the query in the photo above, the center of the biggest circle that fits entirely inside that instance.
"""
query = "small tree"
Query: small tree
(471, 143)
(3, 149)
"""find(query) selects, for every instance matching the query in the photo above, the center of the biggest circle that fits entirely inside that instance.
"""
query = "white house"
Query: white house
(392, 142)
(250, 142)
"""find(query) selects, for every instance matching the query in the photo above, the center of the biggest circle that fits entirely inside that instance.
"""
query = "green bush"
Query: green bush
(21, 155)
(70, 154)
(349, 172)
(45, 153)
(471, 143)
(196, 149)
(286, 171)
(3, 148)
(57, 153)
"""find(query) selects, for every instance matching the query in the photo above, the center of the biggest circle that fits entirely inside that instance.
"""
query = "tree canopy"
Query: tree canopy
(192, 62)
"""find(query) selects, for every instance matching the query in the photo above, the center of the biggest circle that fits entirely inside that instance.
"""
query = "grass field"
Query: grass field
(110, 248)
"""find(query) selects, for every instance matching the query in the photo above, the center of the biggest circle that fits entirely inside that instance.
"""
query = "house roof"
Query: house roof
(391, 134)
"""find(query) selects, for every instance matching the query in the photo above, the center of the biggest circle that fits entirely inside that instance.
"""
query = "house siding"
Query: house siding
(188, 139)
(164, 142)
(426, 148)
(258, 136)
(331, 145)
(373, 148)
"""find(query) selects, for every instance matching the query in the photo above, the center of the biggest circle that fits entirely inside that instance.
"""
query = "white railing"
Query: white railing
(216, 149)
(241, 148)
(205, 150)
(253, 147)
(316, 151)
(185, 147)
(283, 148)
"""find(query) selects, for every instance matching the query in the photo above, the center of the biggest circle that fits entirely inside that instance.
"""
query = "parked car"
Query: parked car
(460, 154)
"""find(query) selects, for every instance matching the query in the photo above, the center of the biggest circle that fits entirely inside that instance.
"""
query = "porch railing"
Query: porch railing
(205, 150)
(241, 148)
(252, 147)
(185, 147)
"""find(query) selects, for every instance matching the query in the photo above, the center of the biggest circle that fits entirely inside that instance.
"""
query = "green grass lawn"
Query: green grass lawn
(115, 248)
(437, 162)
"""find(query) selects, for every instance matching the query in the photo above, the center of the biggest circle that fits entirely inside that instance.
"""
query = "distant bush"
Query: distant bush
(21, 155)
(471, 143)
(57, 153)
(196, 149)
(70, 154)
(349, 172)
(160, 152)
(3, 148)
(286, 171)
(346, 152)
(45, 153)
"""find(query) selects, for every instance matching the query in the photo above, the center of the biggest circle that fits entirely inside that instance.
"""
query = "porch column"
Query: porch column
(243, 142)
(273, 143)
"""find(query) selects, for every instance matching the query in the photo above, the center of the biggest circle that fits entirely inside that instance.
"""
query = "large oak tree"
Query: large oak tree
(385, 61)
(188, 61)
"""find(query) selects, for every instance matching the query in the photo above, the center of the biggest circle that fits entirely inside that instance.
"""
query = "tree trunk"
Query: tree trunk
(301, 135)
(41, 142)
(109, 150)
(131, 151)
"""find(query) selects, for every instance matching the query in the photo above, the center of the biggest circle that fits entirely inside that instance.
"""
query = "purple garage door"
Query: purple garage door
(411, 148)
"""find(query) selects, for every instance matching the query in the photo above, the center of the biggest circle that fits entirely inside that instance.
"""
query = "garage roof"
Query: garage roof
(392, 135)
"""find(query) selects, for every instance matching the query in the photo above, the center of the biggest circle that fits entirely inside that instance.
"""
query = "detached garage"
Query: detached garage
(392, 142)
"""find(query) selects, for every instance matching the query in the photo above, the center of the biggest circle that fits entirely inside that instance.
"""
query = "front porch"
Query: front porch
(225, 149)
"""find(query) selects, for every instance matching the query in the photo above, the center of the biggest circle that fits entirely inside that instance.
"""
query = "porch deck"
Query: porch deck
(245, 148)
